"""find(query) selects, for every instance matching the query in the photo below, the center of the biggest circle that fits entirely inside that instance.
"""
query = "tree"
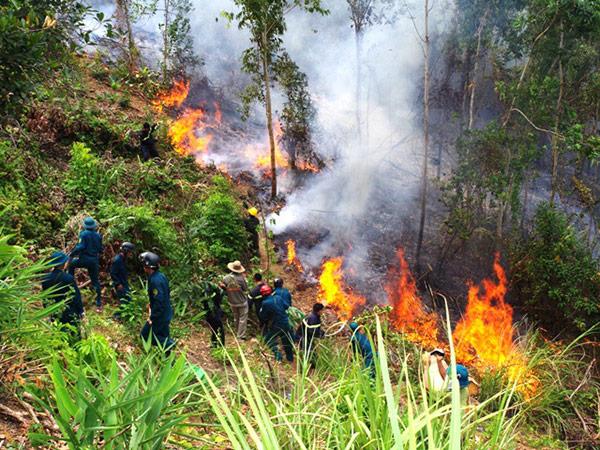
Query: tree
(178, 47)
(361, 14)
(424, 174)
(557, 275)
(34, 38)
(297, 114)
(123, 17)
(265, 20)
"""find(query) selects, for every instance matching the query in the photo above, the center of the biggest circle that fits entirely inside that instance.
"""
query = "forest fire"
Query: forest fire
(408, 314)
(292, 259)
(334, 291)
(183, 132)
(484, 336)
(172, 98)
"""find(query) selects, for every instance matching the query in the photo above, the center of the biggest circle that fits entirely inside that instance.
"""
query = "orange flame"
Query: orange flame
(263, 162)
(292, 259)
(408, 314)
(334, 291)
(184, 131)
(172, 98)
(307, 166)
(484, 336)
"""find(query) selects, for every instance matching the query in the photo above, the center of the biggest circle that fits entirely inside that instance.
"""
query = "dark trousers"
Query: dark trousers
(149, 151)
(257, 304)
(272, 337)
(160, 334)
(217, 331)
(93, 268)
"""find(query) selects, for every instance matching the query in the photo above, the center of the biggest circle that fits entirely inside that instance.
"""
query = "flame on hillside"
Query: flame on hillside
(263, 161)
(334, 291)
(484, 335)
(188, 132)
(292, 259)
(408, 313)
(174, 97)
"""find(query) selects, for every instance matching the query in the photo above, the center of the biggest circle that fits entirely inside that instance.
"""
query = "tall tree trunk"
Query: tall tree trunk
(425, 139)
(267, 83)
(358, 40)
(124, 20)
(555, 149)
(473, 84)
(166, 43)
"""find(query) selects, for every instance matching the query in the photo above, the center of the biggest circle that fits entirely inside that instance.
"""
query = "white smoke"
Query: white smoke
(367, 195)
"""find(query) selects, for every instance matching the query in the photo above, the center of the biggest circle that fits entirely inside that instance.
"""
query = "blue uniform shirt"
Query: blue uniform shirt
(160, 298)
(284, 294)
(463, 375)
(90, 245)
(274, 310)
(63, 284)
(118, 271)
(361, 344)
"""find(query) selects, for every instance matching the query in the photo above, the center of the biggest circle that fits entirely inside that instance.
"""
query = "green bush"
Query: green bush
(139, 224)
(556, 274)
(220, 224)
(89, 179)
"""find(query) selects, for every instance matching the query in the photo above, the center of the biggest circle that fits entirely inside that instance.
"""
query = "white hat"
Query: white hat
(236, 267)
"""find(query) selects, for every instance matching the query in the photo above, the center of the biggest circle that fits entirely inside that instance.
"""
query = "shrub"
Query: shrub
(556, 274)
(221, 225)
(89, 179)
(141, 225)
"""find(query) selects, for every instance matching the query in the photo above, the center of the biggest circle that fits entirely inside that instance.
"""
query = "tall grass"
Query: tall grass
(346, 409)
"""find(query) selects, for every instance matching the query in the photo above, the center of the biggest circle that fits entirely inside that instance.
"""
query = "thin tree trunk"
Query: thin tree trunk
(473, 84)
(526, 185)
(122, 14)
(358, 39)
(267, 83)
(555, 149)
(425, 139)
(166, 43)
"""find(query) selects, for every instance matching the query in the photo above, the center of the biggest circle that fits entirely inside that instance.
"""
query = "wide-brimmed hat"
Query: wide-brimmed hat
(438, 351)
(89, 223)
(236, 267)
(58, 259)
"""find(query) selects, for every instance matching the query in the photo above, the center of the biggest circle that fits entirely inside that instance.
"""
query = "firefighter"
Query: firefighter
(236, 288)
(309, 329)
(274, 313)
(118, 273)
(251, 223)
(362, 346)
(86, 255)
(147, 142)
(284, 293)
(160, 309)
(255, 295)
(213, 297)
(64, 288)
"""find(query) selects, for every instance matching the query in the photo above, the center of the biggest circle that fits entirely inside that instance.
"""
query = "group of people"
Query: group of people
(60, 281)
(271, 305)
